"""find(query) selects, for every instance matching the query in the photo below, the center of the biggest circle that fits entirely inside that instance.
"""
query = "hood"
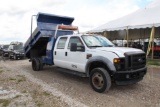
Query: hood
(119, 50)
(20, 51)
(6, 50)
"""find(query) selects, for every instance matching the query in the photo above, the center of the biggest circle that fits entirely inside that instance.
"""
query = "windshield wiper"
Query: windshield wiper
(96, 46)
(109, 46)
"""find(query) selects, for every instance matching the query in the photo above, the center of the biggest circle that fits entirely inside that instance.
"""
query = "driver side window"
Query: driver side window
(75, 40)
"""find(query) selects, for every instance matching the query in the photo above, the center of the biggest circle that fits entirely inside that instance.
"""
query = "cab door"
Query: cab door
(75, 60)
(59, 53)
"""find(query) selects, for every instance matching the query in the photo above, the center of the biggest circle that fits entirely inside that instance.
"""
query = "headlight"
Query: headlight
(119, 63)
(16, 52)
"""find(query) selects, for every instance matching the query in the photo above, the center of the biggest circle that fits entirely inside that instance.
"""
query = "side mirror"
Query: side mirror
(74, 47)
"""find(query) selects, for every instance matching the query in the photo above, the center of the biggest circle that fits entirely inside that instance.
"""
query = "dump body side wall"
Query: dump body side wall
(37, 43)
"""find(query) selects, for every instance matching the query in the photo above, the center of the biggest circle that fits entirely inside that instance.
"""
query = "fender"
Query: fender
(104, 60)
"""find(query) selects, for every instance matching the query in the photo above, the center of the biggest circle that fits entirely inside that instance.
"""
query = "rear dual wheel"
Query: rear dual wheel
(37, 64)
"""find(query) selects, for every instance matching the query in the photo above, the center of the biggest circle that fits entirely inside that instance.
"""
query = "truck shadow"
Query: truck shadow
(85, 81)
(50, 74)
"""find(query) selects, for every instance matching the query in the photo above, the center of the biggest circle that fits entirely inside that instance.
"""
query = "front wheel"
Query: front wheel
(10, 57)
(100, 80)
(15, 57)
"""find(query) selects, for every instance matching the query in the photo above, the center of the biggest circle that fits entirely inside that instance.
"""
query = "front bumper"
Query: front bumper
(5, 54)
(129, 77)
(18, 56)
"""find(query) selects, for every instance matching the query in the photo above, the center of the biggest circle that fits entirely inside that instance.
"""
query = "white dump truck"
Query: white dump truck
(54, 43)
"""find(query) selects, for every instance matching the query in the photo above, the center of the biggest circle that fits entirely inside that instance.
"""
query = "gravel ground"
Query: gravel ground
(50, 88)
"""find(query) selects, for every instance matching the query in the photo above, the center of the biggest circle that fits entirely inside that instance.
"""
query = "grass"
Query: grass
(39, 104)
(2, 79)
(36, 93)
(17, 96)
(4, 102)
(12, 79)
(24, 91)
(40, 93)
(1, 70)
(21, 78)
(46, 93)
(20, 104)
(153, 62)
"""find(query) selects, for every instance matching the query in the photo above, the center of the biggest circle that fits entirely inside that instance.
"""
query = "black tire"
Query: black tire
(10, 57)
(100, 80)
(40, 63)
(15, 57)
(35, 64)
(3, 57)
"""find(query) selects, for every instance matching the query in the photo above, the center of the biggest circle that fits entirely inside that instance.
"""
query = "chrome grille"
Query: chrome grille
(135, 61)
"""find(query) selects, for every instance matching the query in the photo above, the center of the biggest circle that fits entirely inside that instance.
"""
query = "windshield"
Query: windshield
(91, 41)
(5, 46)
(104, 41)
(18, 47)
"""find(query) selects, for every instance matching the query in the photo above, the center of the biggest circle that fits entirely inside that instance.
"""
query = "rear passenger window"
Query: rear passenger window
(61, 43)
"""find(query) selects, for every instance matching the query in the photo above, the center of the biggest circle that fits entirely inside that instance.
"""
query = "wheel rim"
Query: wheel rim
(97, 80)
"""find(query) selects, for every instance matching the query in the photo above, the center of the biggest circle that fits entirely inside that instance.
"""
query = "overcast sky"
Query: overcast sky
(15, 15)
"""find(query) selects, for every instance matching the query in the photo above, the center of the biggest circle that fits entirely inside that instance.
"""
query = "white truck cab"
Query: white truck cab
(97, 58)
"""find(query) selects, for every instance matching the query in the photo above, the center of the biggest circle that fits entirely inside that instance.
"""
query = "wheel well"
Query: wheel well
(97, 64)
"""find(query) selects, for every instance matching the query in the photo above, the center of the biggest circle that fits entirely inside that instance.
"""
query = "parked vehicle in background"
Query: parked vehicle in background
(16, 43)
(16, 51)
(4, 51)
(0, 50)
(156, 49)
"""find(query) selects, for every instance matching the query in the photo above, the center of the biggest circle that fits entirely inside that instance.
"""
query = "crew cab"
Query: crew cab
(86, 54)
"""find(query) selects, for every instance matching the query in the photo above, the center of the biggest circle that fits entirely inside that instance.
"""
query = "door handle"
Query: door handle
(55, 53)
(65, 53)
